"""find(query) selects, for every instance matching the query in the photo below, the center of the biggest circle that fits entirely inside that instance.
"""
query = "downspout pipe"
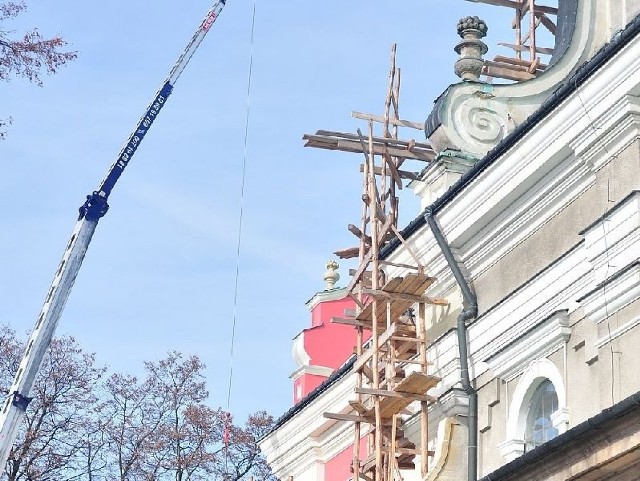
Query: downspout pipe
(469, 312)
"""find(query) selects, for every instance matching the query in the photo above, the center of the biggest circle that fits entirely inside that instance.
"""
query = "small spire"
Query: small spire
(471, 48)
(331, 275)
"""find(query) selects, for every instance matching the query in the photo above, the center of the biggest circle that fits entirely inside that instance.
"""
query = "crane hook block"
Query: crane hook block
(20, 401)
(94, 207)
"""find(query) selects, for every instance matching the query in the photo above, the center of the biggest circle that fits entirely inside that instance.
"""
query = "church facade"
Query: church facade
(531, 224)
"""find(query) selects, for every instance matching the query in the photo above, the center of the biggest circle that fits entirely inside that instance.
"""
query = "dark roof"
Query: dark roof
(308, 399)
(560, 94)
(590, 426)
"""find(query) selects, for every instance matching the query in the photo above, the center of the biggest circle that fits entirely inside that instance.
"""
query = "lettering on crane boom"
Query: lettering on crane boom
(209, 21)
(143, 126)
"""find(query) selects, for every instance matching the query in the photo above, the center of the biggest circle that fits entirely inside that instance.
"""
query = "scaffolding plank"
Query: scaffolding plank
(410, 287)
(348, 253)
(354, 418)
(518, 61)
(412, 283)
(349, 322)
(358, 407)
(408, 144)
(396, 394)
(346, 145)
(506, 72)
(415, 383)
(525, 67)
(393, 296)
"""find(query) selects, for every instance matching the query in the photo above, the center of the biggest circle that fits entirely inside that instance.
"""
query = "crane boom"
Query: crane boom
(91, 211)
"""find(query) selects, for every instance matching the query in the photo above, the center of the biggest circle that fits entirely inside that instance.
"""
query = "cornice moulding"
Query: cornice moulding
(552, 290)
(508, 177)
(539, 341)
(323, 296)
(615, 293)
(312, 370)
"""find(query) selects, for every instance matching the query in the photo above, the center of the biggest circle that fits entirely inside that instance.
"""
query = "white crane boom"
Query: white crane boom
(92, 210)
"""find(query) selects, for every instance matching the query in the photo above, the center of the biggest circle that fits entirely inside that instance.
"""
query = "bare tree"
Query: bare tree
(29, 54)
(187, 435)
(242, 459)
(159, 428)
(52, 437)
(10, 351)
(130, 421)
(80, 427)
(181, 438)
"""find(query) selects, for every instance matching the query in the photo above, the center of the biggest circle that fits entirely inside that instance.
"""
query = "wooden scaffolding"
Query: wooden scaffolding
(525, 63)
(391, 365)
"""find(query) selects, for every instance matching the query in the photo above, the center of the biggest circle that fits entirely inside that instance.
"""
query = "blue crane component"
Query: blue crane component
(91, 211)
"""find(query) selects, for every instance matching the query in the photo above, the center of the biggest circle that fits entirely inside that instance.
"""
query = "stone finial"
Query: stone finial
(331, 275)
(471, 48)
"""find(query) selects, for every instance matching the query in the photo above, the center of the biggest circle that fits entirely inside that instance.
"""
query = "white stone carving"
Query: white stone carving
(480, 120)
(474, 116)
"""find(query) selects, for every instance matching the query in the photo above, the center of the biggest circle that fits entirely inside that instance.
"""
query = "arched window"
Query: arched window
(538, 409)
(539, 426)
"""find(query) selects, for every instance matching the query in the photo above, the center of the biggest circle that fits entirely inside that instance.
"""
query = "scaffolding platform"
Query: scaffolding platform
(392, 381)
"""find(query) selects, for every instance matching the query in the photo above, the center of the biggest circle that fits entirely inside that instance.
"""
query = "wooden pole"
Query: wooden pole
(532, 31)
(359, 332)
(421, 327)
(375, 284)
(518, 26)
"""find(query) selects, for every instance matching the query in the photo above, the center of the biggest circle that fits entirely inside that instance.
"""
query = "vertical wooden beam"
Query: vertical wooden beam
(387, 103)
(392, 451)
(357, 428)
(424, 413)
(518, 26)
(372, 210)
(393, 208)
(532, 31)
(357, 435)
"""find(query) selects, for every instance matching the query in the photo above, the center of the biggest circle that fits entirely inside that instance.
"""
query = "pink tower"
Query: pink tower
(322, 348)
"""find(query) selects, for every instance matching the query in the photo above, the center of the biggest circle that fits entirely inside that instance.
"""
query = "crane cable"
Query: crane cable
(239, 242)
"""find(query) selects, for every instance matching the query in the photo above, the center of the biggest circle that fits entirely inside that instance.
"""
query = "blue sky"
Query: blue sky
(159, 274)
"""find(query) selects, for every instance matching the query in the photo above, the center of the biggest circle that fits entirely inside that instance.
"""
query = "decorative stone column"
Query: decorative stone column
(331, 275)
(471, 48)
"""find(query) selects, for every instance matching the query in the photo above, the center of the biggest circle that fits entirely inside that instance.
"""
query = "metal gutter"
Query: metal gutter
(468, 313)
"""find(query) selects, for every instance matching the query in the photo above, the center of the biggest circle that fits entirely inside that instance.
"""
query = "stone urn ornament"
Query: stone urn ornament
(471, 48)
(331, 275)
